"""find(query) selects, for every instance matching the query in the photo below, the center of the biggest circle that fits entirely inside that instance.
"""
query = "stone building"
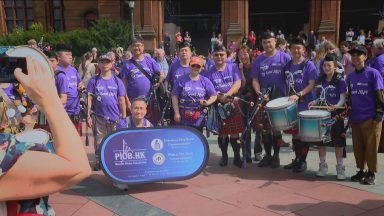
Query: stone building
(233, 18)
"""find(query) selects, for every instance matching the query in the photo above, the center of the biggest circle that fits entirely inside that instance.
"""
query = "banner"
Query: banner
(145, 155)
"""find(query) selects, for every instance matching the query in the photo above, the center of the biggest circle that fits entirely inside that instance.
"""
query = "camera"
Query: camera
(7, 67)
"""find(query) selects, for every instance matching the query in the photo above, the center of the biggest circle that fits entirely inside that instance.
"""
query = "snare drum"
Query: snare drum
(315, 126)
(282, 113)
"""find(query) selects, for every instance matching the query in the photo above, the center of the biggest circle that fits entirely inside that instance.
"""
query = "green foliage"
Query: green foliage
(104, 35)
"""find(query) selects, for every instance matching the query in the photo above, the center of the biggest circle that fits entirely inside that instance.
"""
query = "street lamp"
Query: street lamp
(131, 6)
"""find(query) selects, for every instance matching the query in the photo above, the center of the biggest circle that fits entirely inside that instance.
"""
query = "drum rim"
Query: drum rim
(39, 51)
(289, 104)
(301, 114)
(34, 130)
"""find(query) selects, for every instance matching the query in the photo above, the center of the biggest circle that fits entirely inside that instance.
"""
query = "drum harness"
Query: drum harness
(323, 104)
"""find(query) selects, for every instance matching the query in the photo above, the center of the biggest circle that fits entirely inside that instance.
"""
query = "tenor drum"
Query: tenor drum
(315, 126)
(282, 113)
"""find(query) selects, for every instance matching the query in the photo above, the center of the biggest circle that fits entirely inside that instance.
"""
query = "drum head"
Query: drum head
(33, 136)
(24, 51)
(279, 103)
(314, 114)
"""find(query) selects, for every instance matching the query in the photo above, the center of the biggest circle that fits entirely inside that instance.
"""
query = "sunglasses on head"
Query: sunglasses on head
(196, 66)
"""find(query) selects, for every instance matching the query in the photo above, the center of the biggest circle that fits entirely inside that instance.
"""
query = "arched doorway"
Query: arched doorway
(199, 17)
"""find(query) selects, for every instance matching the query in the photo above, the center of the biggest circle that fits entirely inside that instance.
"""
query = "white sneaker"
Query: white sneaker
(120, 186)
(258, 156)
(340, 169)
(323, 170)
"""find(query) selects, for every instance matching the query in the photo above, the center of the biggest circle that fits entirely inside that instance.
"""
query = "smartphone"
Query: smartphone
(7, 67)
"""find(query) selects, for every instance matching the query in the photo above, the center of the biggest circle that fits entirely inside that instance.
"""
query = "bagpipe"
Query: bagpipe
(252, 111)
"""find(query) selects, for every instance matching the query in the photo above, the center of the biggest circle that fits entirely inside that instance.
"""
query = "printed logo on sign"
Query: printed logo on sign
(158, 159)
(157, 144)
(128, 156)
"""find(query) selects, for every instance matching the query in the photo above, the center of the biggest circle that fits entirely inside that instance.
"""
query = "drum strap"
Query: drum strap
(287, 68)
(9, 104)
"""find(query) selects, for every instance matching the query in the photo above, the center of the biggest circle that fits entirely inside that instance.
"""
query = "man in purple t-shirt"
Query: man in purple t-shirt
(68, 82)
(266, 73)
(378, 64)
(136, 82)
(181, 67)
(301, 75)
(226, 79)
(106, 103)
(365, 87)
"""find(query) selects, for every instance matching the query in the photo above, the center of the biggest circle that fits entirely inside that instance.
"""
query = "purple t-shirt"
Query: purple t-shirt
(138, 83)
(362, 87)
(73, 79)
(378, 63)
(224, 80)
(190, 93)
(9, 91)
(175, 72)
(332, 95)
(107, 93)
(268, 71)
(301, 80)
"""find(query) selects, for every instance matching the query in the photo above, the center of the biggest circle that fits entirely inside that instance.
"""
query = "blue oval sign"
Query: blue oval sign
(145, 155)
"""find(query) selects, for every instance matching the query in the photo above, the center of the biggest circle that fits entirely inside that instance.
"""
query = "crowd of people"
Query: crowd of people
(131, 89)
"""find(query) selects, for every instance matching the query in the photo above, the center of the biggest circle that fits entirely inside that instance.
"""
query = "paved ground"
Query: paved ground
(230, 191)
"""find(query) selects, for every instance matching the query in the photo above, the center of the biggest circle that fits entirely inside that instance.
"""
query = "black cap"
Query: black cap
(63, 47)
(297, 41)
(358, 49)
(267, 35)
(330, 57)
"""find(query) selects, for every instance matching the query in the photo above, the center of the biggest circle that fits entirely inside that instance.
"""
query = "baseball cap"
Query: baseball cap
(196, 61)
(105, 57)
(358, 49)
(267, 35)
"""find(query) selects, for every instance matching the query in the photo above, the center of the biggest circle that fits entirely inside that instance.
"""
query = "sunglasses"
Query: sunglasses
(196, 66)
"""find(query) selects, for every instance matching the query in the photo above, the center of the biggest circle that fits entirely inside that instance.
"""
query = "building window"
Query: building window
(58, 16)
(18, 13)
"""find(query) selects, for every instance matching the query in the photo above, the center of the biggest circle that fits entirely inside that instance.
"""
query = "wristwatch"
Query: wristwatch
(298, 94)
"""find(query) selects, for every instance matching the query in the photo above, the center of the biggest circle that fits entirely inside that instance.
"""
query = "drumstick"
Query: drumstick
(326, 107)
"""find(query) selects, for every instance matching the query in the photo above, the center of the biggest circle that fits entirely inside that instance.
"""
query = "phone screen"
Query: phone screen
(8, 66)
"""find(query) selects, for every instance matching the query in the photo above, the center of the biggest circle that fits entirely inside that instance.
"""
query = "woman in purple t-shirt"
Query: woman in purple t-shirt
(190, 93)
(335, 91)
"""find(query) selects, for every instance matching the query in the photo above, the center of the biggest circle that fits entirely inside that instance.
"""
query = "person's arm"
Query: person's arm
(235, 88)
(122, 106)
(37, 174)
(175, 104)
(89, 110)
(63, 98)
(305, 91)
(256, 85)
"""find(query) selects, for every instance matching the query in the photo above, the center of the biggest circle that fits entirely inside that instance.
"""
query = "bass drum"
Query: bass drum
(36, 54)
